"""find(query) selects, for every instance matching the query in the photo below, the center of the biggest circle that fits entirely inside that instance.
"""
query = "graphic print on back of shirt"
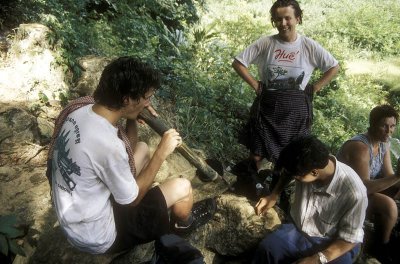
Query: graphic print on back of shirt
(65, 164)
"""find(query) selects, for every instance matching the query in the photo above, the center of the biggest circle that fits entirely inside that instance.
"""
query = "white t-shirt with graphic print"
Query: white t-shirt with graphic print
(89, 164)
(279, 60)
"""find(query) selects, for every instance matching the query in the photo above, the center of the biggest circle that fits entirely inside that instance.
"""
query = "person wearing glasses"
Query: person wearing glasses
(102, 177)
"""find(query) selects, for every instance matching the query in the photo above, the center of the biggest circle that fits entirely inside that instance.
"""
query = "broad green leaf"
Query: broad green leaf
(3, 245)
(8, 220)
(11, 231)
(15, 248)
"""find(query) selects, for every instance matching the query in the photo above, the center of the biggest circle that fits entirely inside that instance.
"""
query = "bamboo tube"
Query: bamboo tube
(159, 126)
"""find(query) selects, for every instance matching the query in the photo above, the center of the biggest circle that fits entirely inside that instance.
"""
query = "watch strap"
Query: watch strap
(322, 258)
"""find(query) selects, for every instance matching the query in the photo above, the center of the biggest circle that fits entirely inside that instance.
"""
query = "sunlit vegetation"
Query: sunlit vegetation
(193, 44)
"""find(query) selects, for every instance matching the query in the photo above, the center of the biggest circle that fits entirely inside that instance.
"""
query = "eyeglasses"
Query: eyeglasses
(147, 98)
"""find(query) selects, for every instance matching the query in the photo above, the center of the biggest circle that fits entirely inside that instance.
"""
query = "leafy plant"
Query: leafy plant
(43, 98)
(341, 113)
(9, 232)
(193, 43)
(365, 26)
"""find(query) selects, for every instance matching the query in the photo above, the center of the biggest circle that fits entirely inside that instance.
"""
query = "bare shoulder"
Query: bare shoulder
(355, 150)
(355, 145)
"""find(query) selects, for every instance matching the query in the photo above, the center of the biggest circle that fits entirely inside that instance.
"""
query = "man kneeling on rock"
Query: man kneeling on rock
(101, 176)
(328, 210)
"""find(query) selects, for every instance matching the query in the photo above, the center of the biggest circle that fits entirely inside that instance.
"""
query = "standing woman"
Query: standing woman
(285, 61)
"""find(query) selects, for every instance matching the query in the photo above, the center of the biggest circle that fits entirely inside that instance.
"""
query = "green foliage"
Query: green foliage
(64, 98)
(107, 28)
(194, 42)
(364, 26)
(43, 98)
(341, 113)
(8, 233)
(383, 37)
(173, 14)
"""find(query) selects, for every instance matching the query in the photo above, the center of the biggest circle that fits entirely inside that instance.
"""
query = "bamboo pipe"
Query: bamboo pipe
(159, 126)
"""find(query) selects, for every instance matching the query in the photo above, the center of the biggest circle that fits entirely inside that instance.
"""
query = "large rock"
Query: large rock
(92, 67)
(19, 136)
(32, 72)
(235, 228)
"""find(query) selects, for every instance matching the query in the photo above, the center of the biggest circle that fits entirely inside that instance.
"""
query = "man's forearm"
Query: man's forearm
(132, 132)
(284, 180)
(167, 145)
(337, 248)
(146, 177)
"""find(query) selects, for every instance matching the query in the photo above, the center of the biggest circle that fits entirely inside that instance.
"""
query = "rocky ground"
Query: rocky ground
(30, 88)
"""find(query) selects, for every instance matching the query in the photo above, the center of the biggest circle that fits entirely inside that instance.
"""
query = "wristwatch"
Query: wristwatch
(322, 258)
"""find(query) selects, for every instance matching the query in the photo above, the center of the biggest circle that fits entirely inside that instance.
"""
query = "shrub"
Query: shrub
(8, 235)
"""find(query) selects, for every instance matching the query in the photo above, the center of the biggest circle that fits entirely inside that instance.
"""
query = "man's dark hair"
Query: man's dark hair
(285, 3)
(302, 155)
(379, 112)
(125, 77)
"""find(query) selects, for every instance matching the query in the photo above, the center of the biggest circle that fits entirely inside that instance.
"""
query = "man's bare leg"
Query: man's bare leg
(179, 197)
(385, 209)
(141, 155)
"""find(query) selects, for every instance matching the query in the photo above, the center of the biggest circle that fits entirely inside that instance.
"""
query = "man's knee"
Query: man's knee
(141, 155)
(267, 244)
(280, 239)
(392, 209)
(274, 248)
(179, 188)
(183, 187)
(142, 148)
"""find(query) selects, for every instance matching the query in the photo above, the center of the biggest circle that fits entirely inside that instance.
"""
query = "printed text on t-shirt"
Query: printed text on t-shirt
(283, 55)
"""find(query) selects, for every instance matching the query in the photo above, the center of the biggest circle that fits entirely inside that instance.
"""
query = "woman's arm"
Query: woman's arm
(356, 155)
(387, 168)
(244, 73)
(325, 78)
